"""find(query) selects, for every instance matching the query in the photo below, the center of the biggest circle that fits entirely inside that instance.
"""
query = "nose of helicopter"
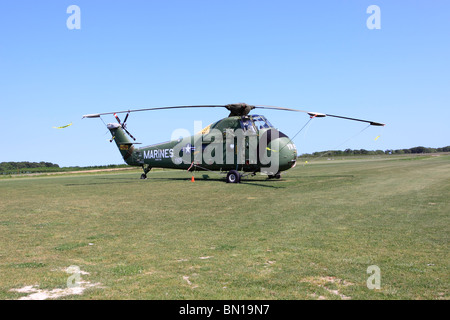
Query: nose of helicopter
(282, 148)
(288, 153)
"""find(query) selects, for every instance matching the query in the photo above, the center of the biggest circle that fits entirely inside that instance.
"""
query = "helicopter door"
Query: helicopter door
(230, 147)
(251, 141)
(138, 156)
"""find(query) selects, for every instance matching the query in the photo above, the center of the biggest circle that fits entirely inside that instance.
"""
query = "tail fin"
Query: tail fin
(125, 146)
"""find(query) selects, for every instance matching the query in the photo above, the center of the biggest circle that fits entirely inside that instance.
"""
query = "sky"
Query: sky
(310, 55)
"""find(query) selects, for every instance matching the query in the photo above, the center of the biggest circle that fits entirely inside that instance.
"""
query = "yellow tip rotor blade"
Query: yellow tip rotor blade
(68, 125)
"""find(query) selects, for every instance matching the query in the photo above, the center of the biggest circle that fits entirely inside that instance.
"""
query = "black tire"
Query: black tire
(143, 176)
(274, 176)
(233, 177)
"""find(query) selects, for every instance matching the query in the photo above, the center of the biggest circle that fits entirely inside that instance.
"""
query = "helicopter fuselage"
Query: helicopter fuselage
(242, 143)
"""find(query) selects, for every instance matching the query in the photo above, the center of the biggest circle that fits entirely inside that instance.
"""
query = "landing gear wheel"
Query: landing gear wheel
(233, 177)
(274, 176)
(146, 169)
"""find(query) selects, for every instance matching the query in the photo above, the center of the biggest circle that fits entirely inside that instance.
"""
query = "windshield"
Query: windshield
(247, 125)
(261, 122)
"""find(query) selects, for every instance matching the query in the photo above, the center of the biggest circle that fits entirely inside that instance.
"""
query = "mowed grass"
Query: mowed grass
(311, 235)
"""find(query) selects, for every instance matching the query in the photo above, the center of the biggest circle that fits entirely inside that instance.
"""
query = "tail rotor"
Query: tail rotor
(123, 124)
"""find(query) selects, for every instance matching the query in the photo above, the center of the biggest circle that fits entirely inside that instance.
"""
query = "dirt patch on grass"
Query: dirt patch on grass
(34, 293)
(325, 283)
(186, 278)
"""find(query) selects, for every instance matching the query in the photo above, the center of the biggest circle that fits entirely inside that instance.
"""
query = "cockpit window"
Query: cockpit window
(247, 125)
(254, 123)
(261, 122)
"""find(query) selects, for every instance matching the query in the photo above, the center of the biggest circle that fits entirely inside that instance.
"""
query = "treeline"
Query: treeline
(5, 166)
(44, 167)
(422, 150)
(350, 152)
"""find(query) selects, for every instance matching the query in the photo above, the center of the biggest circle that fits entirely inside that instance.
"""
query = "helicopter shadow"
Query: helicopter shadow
(92, 184)
(124, 181)
(326, 176)
(260, 183)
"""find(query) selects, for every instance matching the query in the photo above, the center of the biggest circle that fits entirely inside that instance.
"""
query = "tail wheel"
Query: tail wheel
(233, 177)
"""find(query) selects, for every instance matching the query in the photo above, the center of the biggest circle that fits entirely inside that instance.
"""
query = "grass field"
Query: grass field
(311, 235)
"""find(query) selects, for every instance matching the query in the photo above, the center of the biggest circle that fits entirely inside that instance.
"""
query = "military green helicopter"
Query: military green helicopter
(240, 145)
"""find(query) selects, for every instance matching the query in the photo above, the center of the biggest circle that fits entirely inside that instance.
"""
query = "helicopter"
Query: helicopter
(241, 144)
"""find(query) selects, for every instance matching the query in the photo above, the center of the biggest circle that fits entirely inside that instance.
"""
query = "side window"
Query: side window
(260, 123)
(269, 125)
(247, 125)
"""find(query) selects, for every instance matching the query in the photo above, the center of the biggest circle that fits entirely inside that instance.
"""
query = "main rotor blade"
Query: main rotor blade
(372, 123)
(96, 115)
(279, 108)
(320, 115)
(244, 112)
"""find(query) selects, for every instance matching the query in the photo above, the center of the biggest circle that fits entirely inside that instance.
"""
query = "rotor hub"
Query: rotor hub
(239, 109)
